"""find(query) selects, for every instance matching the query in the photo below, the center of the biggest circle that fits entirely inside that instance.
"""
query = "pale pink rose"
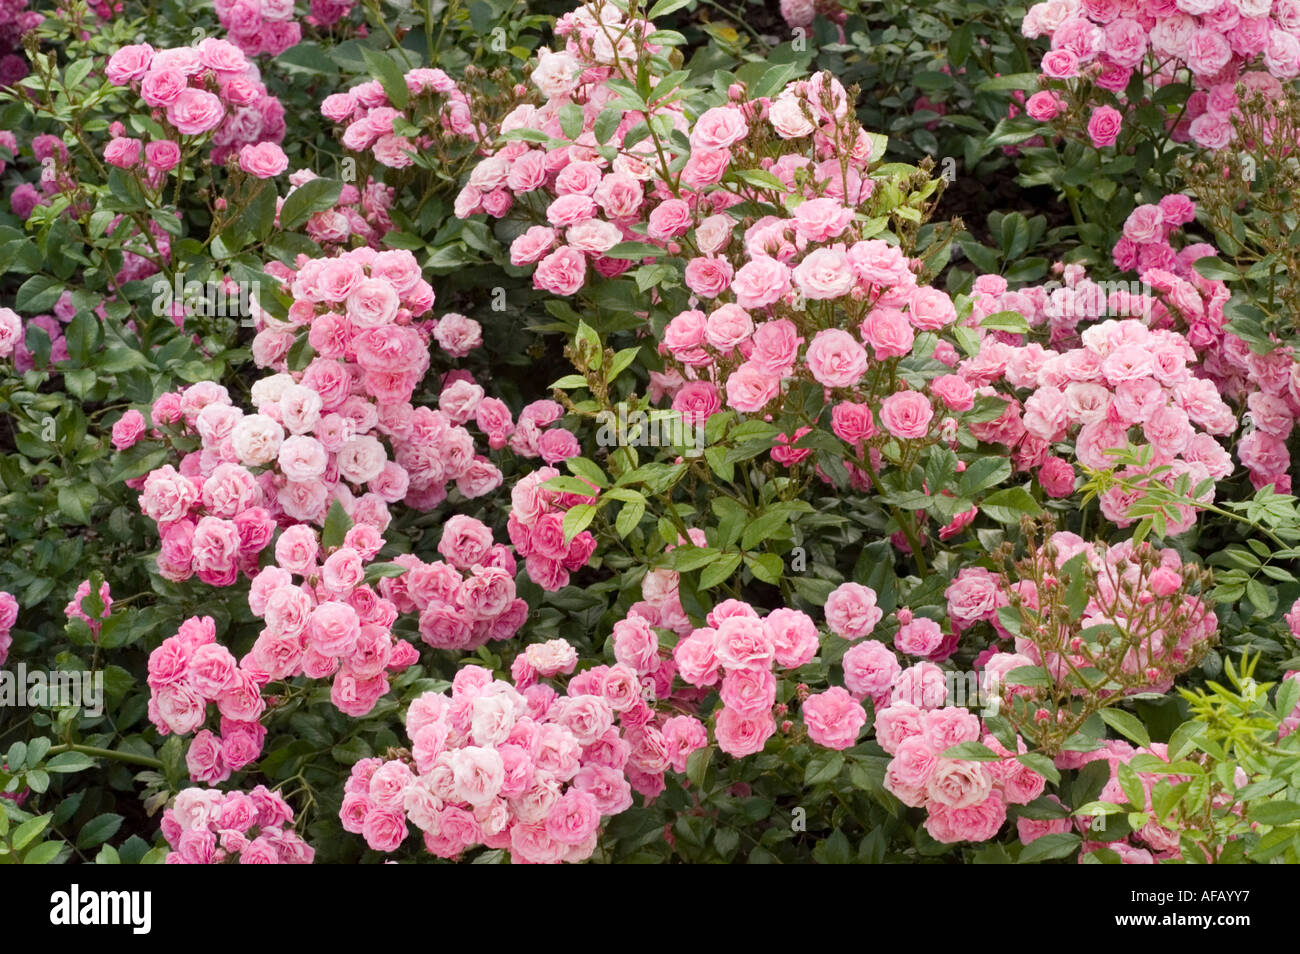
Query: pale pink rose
(739, 736)
(824, 273)
(128, 63)
(562, 272)
(263, 161)
(195, 111)
(819, 220)
(342, 571)
(851, 611)
(708, 277)
(727, 327)
(888, 332)
(834, 718)
(907, 415)
(669, 219)
(750, 388)
(760, 281)
(1104, 126)
(835, 359)
(719, 128)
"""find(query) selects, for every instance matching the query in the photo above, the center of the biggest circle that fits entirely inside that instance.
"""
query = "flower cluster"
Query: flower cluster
(186, 672)
(261, 26)
(1208, 43)
(213, 514)
(799, 14)
(965, 799)
(526, 770)
(315, 435)
(1150, 844)
(466, 601)
(193, 91)
(536, 528)
(1123, 380)
(15, 20)
(74, 608)
(463, 400)
(360, 312)
(372, 123)
(739, 652)
(1140, 624)
(360, 215)
(1265, 385)
(207, 827)
(8, 617)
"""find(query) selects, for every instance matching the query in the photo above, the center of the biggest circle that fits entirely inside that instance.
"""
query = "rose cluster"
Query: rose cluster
(1124, 380)
(369, 116)
(532, 435)
(360, 215)
(261, 26)
(15, 20)
(211, 88)
(207, 827)
(740, 651)
(8, 617)
(522, 769)
(360, 311)
(1150, 844)
(536, 528)
(965, 799)
(1210, 44)
(1140, 619)
(466, 601)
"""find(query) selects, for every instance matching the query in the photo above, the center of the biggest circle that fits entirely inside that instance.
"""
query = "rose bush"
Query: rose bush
(616, 433)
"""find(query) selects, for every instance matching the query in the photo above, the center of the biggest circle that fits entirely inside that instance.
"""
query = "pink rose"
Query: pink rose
(851, 611)
(128, 429)
(263, 161)
(907, 415)
(834, 718)
(1104, 125)
(836, 359)
(195, 111)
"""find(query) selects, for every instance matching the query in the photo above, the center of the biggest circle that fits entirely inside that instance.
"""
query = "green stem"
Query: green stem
(99, 753)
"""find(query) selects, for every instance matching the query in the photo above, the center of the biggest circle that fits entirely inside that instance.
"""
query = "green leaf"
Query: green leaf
(1059, 844)
(981, 474)
(823, 767)
(1273, 813)
(577, 520)
(1041, 764)
(1215, 269)
(1012, 81)
(29, 831)
(1127, 725)
(720, 570)
(382, 571)
(385, 69)
(69, 762)
(1012, 321)
(315, 195)
(99, 830)
(665, 7)
(337, 524)
(634, 251)
(44, 853)
(973, 751)
(697, 764)
(1010, 504)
